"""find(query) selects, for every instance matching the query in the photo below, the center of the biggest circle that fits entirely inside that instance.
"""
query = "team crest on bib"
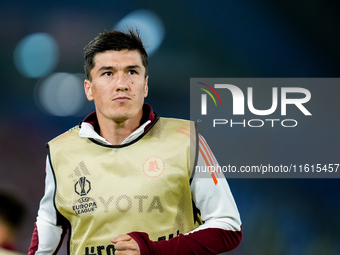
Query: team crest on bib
(153, 167)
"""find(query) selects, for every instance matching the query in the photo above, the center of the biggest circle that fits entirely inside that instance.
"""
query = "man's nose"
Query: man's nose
(121, 83)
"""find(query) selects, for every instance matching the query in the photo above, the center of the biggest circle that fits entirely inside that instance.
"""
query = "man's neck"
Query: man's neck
(115, 132)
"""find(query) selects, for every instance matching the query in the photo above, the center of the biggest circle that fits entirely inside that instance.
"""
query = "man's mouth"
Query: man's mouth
(121, 99)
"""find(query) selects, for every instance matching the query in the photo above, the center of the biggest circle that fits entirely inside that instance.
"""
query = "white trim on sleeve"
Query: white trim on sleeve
(49, 234)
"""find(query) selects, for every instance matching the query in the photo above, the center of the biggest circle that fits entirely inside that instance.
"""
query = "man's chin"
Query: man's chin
(122, 117)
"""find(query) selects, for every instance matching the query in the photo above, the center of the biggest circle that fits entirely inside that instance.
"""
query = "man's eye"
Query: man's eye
(132, 72)
(107, 74)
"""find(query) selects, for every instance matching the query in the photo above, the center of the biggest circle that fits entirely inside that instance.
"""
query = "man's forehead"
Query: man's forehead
(117, 55)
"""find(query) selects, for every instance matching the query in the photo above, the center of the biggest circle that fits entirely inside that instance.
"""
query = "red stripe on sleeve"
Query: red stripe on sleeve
(207, 149)
(34, 241)
(207, 157)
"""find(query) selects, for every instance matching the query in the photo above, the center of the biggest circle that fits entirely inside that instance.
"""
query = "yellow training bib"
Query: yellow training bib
(105, 191)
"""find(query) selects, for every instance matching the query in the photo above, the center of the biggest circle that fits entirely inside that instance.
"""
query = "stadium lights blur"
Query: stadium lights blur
(60, 94)
(36, 55)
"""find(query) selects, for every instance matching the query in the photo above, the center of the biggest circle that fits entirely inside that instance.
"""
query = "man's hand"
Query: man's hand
(125, 245)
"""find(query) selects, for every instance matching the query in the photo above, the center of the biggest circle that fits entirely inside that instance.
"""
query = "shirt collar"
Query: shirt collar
(87, 129)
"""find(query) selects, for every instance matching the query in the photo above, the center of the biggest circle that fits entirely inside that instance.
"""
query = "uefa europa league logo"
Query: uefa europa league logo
(82, 186)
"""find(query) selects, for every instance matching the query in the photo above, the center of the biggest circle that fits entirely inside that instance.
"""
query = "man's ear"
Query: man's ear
(146, 87)
(88, 89)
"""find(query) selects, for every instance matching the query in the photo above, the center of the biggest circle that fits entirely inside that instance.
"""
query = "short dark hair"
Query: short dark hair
(114, 40)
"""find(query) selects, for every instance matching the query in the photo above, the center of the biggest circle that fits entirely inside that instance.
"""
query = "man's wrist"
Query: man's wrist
(144, 243)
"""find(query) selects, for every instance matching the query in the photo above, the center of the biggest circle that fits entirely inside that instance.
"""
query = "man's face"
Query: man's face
(118, 85)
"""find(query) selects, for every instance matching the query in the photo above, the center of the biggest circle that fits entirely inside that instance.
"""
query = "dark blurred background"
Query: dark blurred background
(41, 95)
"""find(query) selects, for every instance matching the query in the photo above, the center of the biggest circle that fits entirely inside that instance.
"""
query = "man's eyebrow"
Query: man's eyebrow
(133, 67)
(104, 68)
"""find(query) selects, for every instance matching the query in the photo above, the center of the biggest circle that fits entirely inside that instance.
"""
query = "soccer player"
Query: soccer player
(123, 181)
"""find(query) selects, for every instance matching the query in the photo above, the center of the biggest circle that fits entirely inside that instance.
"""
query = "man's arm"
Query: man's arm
(47, 235)
(221, 231)
(212, 195)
